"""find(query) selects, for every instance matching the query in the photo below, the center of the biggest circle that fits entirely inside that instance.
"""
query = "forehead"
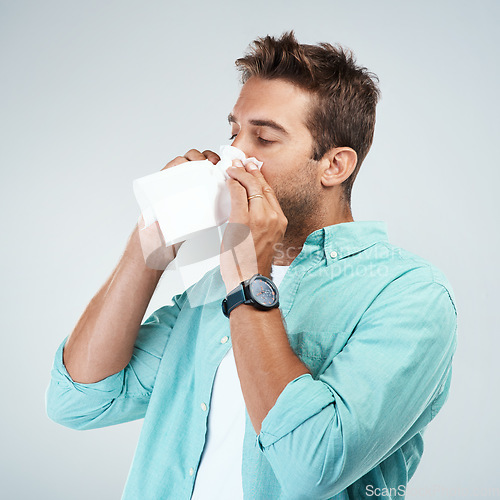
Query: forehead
(277, 100)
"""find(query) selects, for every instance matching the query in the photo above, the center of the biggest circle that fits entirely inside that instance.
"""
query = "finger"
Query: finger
(266, 189)
(210, 155)
(239, 203)
(259, 207)
(176, 161)
(194, 155)
(249, 182)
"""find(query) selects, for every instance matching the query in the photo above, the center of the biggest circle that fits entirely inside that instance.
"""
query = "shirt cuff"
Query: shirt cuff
(107, 388)
(301, 399)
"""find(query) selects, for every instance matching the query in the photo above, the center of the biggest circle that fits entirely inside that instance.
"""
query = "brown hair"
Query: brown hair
(345, 95)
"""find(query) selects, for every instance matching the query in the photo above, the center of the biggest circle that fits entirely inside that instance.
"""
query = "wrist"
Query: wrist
(258, 290)
(234, 281)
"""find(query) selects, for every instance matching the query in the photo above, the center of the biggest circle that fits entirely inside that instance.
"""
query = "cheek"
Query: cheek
(269, 174)
(279, 169)
(277, 162)
(273, 172)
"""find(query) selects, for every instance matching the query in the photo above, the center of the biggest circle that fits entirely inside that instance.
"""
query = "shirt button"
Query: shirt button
(224, 339)
(191, 471)
(203, 406)
(333, 255)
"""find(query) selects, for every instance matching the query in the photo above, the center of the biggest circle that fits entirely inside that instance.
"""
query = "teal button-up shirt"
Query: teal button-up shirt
(375, 324)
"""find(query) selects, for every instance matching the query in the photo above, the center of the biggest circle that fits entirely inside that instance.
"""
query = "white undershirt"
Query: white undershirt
(219, 474)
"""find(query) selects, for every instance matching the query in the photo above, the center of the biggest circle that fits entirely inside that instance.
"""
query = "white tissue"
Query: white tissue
(228, 154)
(190, 197)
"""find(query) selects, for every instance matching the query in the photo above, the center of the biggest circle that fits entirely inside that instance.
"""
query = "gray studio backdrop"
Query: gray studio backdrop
(96, 94)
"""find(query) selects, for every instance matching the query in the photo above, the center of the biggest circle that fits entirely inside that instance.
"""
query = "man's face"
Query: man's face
(287, 166)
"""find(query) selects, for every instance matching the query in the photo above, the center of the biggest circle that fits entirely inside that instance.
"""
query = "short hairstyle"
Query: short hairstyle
(344, 94)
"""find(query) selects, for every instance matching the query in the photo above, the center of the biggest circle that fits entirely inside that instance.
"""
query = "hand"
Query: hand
(154, 250)
(156, 254)
(254, 228)
(194, 155)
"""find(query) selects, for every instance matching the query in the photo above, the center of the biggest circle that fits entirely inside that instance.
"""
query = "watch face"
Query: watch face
(262, 292)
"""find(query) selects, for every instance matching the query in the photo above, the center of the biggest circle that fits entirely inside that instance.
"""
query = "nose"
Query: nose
(238, 142)
(243, 145)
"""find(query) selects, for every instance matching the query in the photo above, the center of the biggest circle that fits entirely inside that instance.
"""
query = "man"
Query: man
(327, 395)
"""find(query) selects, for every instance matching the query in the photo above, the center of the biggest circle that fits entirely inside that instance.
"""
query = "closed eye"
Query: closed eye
(264, 141)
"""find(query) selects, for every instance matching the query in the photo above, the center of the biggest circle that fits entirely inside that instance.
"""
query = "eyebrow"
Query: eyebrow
(261, 123)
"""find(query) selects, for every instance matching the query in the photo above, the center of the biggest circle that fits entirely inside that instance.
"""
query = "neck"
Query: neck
(295, 237)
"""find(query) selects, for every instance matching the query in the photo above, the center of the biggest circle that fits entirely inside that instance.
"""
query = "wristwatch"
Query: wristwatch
(259, 291)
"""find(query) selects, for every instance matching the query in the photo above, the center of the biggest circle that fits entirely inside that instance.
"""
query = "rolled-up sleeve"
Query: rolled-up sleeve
(323, 434)
(120, 397)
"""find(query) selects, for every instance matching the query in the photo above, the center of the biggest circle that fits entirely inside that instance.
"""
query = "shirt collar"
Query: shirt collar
(334, 242)
(346, 238)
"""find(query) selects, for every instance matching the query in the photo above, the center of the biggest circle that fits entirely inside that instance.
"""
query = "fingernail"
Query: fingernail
(252, 166)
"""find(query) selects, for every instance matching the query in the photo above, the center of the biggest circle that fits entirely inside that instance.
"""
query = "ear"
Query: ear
(338, 164)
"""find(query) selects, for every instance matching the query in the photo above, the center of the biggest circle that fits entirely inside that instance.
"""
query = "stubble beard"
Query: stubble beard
(299, 198)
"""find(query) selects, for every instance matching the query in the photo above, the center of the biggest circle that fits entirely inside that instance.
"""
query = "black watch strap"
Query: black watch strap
(243, 294)
(233, 298)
